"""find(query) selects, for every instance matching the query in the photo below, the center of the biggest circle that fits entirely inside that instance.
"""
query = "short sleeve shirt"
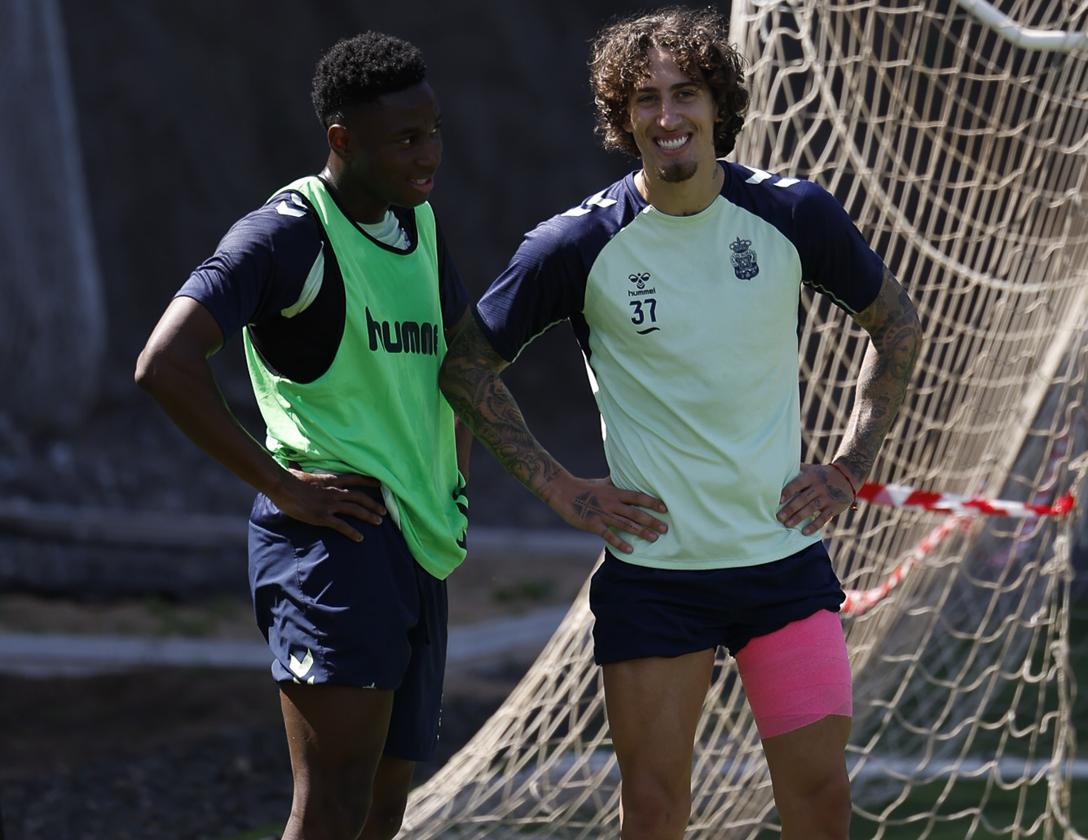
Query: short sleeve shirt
(275, 271)
(689, 330)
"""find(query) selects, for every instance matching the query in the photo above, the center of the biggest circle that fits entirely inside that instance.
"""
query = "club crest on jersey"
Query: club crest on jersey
(743, 259)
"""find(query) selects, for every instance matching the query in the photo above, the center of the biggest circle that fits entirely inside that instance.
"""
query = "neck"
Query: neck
(682, 198)
(358, 204)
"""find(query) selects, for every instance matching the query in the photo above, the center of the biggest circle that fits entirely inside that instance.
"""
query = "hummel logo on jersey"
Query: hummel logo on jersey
(759, 176)
(640, 279)
(644, 310)
(596, 200)
(743, 259)
(402, 336)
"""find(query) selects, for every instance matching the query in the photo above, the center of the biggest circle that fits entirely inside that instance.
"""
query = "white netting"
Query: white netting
(52, 322)
(964, 160)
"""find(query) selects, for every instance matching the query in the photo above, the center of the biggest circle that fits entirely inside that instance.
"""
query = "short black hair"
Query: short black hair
(362, 68)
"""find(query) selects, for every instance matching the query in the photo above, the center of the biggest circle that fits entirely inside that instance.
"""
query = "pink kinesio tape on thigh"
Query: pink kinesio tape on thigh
(797, 674)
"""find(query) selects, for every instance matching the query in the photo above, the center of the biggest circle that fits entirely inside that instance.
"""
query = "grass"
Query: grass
(525, 592)
(1000, 811)
(269, 832)
(1001, 806)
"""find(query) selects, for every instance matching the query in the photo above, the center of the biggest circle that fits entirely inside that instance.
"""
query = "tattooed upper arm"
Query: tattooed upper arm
(470, 380)
(891, 316)
(453, 330)
(895, 340)
(471, 348)
(469, 376)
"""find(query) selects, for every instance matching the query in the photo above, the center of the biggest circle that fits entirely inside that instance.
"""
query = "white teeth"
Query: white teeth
(676, 143)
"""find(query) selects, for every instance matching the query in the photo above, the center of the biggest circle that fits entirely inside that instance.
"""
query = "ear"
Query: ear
(339, 138)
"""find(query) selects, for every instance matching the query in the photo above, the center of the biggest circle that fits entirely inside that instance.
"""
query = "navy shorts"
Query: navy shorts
(640, 611)
(358, 614)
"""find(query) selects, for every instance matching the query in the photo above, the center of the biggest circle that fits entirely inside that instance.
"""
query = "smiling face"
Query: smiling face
(389, 151)
(672, 118)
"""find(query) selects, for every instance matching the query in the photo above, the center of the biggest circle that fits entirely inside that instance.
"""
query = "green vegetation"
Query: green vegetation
(1000, 811)
(1001, 806)
(532, 591)
(268, 832)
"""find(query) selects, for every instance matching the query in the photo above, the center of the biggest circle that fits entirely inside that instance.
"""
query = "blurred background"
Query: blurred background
(179, 119)
(134, 135)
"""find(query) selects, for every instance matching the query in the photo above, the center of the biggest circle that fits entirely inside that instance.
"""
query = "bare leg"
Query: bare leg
(808, 774)
(391, 785)
(335, 735)
(653, 709)
(798, 684)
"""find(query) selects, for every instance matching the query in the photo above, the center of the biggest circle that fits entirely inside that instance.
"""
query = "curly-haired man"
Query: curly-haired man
(681, 282)
(345, 295)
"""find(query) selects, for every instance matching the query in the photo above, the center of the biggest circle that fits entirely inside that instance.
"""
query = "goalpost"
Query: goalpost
(956, 133)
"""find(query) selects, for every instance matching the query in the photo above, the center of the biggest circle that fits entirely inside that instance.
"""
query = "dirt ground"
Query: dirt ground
(180, 754)
(171, 754)
(486, 586)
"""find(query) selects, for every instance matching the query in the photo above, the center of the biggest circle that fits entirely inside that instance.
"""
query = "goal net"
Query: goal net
(956, 134)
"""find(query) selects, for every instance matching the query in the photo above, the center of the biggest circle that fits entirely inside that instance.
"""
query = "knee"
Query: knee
(333, 807)
(833, 805)
(839, 804)
(384, 819)
(821, 809)
(383, 827)
(832, 792)
(654, 810)
(326, 819)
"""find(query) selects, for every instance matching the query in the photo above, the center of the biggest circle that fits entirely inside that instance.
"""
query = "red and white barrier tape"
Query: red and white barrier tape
(965, 509)
(896, 495)
(860, 601)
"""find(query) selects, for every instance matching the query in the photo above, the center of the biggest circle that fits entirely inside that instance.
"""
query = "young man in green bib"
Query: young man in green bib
(346, 297)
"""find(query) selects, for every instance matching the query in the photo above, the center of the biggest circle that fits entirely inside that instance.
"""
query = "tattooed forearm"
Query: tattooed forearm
(895, 340)
(470, 380)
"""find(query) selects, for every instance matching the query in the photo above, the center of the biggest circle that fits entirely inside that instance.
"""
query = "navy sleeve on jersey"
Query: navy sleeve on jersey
(544, 283)
(835, 258)
(259, 267)
(451, 291)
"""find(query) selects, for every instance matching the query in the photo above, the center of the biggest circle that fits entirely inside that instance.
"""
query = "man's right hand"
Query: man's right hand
(598, 506)
(470, 380)
(324, 499)
(174, 368)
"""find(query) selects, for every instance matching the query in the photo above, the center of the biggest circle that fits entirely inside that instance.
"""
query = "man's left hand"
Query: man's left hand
(819, 493)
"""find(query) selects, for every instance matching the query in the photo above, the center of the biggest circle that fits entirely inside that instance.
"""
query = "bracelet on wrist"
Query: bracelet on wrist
(844, 474)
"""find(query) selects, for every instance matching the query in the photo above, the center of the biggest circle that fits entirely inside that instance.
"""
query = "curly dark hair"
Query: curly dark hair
(362, 68)
(696, 39)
